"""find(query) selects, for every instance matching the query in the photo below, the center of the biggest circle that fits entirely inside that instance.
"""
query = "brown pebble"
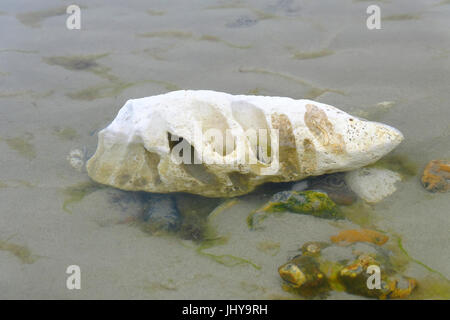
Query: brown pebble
(436, 176)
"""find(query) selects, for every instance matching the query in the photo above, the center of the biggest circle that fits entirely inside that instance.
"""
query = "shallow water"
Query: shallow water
(59, 87)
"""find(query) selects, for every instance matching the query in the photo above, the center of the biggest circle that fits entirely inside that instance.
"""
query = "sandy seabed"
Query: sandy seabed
(60, 86)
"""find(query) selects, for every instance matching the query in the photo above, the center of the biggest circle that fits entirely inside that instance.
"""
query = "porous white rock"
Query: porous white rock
(139, 149)
(372, 184)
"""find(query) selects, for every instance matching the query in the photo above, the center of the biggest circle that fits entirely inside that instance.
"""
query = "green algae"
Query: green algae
(21, 252)
(31, 93)
(255, 91)
(167, 34)
(82, 63)
(15, 94)
(76, 193)
(224, 259)
(183, 35)
(400, 163)
(229, 260)
(401, 17)
(34, 19)
(16, 183)
(100, 91)
(168, 285)
(211, 239)
(20, 51)
(155, 12)
(211, 38)
(22, 145)
(66, 133)
(269, 247)
(114, 88)
(361, 214)
(304, 202)
(156, 53)
(301, 55)
(313, 92)
(307, 202)
(402, 249)
(431, 288)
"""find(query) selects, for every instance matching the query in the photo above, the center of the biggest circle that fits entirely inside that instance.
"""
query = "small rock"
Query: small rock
(355, 276)
(436, 176)
(303, 273)
(304, 202)
(372, 184)
(77, 158)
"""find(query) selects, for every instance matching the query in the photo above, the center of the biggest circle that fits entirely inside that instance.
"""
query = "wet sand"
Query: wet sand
(59, 87)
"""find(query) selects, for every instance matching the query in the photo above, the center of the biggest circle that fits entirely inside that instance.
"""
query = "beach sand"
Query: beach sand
(59, 87)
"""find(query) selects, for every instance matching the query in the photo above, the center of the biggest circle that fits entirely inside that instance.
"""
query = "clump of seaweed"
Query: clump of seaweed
(401, 17)
(21, 252)
(22, 145)
(308, 202)
(33, 19)
(66, 133)
(82, 63)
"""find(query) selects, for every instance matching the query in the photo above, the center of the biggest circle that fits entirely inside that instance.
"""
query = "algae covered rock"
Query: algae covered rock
(322, 267)
(220, 145)
(310, 202)
(335, 186)
(355, 278)
(436, 176)
(303, 274)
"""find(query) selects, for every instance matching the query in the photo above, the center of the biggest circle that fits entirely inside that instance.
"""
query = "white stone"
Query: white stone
(76, 159)
(372, 184)
(134, 151)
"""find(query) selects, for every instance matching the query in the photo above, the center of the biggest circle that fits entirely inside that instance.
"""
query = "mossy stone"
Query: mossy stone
(310, 202)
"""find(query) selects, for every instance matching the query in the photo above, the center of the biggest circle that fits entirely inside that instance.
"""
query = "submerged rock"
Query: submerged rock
(322, 267)
(310, 202)
(303, 274)
(355, 277)
(161, 214)
(373, 184)
(219, 145)
(335, 186)
(436, 176)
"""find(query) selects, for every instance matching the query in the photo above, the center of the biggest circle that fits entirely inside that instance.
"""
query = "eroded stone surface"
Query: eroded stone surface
(136, 151)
